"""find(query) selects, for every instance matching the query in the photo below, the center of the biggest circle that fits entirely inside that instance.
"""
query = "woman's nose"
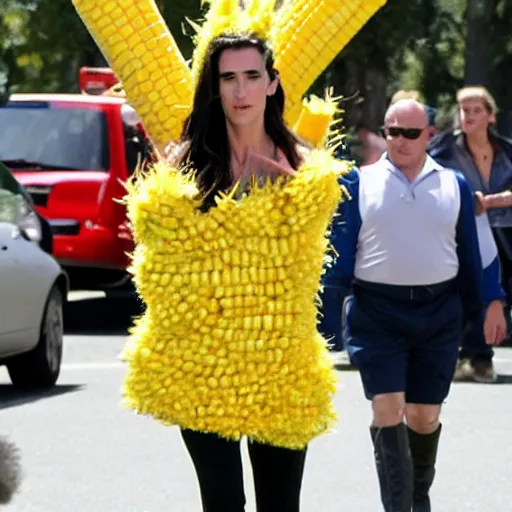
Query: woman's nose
(239, 89)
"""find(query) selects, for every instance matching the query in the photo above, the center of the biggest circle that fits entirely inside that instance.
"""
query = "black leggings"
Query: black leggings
(218, 463)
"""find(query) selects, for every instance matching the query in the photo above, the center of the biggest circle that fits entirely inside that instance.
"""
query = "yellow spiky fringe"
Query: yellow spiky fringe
(317, 120)
(228, 343)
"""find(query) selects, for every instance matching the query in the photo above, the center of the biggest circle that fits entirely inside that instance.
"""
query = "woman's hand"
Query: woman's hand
(264, 167)
(499, 200)
(480, 204)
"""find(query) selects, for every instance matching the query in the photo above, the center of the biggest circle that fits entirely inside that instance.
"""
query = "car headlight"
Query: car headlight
(31, 227)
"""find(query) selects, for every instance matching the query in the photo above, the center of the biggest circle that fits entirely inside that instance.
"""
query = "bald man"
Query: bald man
(408, 246)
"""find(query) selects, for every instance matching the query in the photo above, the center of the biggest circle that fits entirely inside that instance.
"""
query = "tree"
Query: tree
(434, 46)
(500, 63)
(175, 13)
(368, 67)
(46, 42)
(479, 14)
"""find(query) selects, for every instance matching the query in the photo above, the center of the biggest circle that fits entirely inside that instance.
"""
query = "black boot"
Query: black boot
(394, 467)
(423, 452)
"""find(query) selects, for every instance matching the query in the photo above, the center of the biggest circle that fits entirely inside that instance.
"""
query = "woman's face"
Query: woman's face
(244, 85)
(474, 116)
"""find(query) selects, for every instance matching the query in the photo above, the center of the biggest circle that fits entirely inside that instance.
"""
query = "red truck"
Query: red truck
(72, 153)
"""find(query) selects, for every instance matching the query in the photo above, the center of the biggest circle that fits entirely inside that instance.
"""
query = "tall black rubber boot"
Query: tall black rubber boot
(394, 467)
(423, 453)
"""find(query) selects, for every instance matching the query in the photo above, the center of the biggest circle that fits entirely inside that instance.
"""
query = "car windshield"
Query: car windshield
(39, 136)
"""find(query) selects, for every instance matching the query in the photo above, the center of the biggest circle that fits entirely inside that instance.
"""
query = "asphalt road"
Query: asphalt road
(83, 452)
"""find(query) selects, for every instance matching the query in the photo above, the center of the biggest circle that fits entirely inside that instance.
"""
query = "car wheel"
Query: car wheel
(41, 366)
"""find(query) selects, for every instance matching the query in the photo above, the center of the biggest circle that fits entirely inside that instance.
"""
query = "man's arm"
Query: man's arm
(495, 325)
(344, 235)
(470, 276)
(492, 289)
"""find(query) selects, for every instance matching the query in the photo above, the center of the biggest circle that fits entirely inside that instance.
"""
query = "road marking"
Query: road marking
(92, 366)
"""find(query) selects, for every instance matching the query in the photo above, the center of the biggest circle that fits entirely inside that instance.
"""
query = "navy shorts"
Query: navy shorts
(405, 339)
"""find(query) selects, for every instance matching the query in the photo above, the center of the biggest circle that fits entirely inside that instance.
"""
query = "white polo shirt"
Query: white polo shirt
(408, 229)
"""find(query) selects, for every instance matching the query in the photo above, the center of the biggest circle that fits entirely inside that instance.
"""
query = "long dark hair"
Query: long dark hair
(205, 135)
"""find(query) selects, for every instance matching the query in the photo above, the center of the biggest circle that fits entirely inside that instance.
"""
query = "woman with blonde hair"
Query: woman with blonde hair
(485, 158)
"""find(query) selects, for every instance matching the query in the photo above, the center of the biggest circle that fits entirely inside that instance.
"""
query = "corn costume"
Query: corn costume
(228, 343)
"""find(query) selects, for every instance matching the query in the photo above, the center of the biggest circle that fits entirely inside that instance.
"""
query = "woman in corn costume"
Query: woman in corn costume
(231, 235)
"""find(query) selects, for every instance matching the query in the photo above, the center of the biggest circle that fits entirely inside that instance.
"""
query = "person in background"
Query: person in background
(414, 94)
(333, 294)
(431, 115)
(368, 146)
(485, 158)
(409, 248)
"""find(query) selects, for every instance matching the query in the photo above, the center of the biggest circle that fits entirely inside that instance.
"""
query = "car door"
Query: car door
(14, 287)
(24, 277)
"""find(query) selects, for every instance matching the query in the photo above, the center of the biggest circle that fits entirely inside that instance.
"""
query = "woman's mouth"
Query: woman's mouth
(242, 108)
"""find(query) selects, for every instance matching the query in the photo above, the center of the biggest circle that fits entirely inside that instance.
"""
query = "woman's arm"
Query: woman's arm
(499, 200)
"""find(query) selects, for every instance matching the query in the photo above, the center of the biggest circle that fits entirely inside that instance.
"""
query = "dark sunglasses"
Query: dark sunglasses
(406, 133)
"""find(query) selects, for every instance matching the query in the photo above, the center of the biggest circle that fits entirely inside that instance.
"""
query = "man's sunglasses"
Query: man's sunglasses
(406, 133)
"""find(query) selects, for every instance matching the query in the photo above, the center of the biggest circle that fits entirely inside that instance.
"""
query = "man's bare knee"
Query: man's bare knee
(422, 418)
(388, 409)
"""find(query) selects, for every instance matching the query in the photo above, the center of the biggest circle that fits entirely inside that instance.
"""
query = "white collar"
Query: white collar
(429, 167)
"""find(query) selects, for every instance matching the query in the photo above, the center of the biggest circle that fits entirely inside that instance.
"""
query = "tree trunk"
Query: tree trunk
(175, 13)
(374, 86)
(363, 88)
(477, 55)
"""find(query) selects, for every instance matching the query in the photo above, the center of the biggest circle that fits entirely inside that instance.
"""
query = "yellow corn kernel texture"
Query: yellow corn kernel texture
(308, 36)
(228, 342)
(142, 52)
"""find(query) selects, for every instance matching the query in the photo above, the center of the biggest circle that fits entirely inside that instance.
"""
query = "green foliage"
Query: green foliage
(387, 33)
(44, 42)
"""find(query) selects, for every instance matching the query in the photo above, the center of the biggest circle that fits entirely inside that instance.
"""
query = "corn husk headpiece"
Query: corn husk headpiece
(305, 35)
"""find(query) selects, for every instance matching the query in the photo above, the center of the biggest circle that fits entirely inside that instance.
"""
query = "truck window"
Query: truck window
(45, 137)
(137, 148)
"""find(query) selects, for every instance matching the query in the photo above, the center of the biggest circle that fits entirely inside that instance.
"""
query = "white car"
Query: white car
(33, 288)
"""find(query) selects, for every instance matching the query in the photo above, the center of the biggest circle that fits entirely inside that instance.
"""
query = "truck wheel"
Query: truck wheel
(40, 367)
